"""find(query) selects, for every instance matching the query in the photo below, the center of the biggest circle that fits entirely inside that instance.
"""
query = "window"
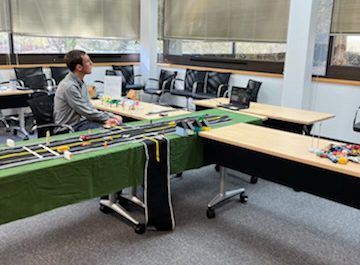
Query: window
(274, 52)
(204, 47)
(30, 44)
(346, 50)
(4, 42)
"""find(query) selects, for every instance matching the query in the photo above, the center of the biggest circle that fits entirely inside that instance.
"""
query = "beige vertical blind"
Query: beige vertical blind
(243, 20)
(4, 16)
(346, 16)
(77, 18)
(160, 19)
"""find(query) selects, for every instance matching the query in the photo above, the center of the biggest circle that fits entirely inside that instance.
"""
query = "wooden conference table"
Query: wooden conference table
(142, 111)
(284, 158)
(289, 119)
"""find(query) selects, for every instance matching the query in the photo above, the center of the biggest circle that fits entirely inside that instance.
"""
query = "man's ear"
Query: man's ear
(79, 67)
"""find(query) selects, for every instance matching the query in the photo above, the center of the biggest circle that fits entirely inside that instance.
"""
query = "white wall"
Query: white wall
(341, 100)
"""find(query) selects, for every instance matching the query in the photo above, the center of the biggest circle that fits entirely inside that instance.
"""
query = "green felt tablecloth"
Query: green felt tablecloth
(34, 188)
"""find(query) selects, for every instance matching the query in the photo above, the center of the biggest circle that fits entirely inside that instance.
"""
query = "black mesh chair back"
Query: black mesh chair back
(215, 81)
(58, 73)
(42, 107)
(169, 77)
(356, 124)
(127, 72)
(253, 87)
(193, 76)
(33, 77)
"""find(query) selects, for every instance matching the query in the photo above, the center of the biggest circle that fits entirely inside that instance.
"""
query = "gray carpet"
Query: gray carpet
(276, 226)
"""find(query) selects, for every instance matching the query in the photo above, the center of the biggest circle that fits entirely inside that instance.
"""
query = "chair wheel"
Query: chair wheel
(210, 213)
(26, 138)
(243, 197)
(140, 229)
(253, 179)
(179, 175)
(104, 209)
(217, 168)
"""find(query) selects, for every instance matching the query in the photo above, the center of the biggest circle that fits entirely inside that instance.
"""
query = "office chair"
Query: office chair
(253, 88)
(215, 86)
(127, 73)
(58, 73)
(34, 78)
(194, 81)
(42, 107)
(165, 84)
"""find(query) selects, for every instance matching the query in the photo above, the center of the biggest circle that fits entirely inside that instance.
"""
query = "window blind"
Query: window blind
(346, 18)
(77, 18)
(4, 16)
(231, 20)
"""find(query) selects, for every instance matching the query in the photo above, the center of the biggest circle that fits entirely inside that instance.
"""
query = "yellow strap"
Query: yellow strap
(157, 147)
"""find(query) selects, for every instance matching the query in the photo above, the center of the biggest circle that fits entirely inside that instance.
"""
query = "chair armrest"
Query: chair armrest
(149, 80)
(356, 114)
(172, 85)
(20, 82)
(52, 81)
(222, 87)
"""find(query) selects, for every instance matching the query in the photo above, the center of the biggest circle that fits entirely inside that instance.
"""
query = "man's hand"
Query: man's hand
(115, 121)
(118, 118)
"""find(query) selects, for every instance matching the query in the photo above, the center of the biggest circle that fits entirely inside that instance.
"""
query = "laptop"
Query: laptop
(239, 99)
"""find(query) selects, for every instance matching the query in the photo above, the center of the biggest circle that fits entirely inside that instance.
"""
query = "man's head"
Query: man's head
(78, 61)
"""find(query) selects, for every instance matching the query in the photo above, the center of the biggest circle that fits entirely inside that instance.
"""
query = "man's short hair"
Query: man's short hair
(73, 58)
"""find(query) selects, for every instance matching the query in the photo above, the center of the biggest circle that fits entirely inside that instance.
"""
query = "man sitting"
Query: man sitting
(72, 105)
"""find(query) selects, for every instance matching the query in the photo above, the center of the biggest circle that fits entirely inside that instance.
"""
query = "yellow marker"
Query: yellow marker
(47, 139)
(206, 128)
(172, 123)
(343, 160)
(63, 148)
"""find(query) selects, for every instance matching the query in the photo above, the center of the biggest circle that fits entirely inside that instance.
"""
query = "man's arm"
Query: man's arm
(83, 107)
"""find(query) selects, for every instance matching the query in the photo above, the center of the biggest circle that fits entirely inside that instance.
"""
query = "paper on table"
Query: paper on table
(112, 86)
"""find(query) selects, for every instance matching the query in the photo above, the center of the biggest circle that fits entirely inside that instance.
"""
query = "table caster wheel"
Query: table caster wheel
(243, 198)
(140, 229)
(253, 179)
(210, 213)
(105, 209)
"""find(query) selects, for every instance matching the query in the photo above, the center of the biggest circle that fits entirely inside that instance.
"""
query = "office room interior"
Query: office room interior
(278, 193)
